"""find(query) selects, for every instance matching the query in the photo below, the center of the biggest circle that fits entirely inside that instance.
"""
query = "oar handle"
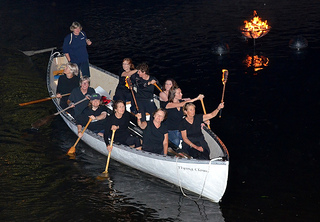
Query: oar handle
(84, 129)
(72, 150)
(204, 110)
(109, 154)
(134, 99)
(155, 84)
(57, 113)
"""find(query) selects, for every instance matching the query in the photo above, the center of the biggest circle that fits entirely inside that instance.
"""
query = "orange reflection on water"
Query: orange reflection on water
(257, 62)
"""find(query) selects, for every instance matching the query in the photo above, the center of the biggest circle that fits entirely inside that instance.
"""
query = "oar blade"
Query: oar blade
(103, 176)
(31, 53)
(72, 151)
(37, 124)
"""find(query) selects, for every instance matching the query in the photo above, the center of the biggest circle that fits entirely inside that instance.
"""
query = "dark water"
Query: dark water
(270, 123)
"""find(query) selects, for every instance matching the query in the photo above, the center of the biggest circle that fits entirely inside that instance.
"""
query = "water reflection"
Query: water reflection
(161, 199)
(256, 63)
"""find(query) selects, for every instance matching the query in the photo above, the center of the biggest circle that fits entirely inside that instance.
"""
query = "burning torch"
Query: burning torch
(224, 82)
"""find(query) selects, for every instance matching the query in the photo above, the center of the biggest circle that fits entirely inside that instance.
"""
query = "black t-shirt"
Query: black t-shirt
(66, 85)
(145, 91)
(122, 80)
(83, 118)
(122, 133)
(174, 118)
(95, 125)
(153, 137)
(194, 129)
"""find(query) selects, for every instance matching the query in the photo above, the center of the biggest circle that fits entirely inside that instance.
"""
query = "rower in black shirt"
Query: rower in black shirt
(155, 133)
(96, 112)
(119, 121)
(175, 113)
(67, 83)
(145, 88)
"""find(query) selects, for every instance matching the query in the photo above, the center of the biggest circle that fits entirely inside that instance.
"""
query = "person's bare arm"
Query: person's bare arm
(176, 105)
(165, 144)
(67, 56)
(142, 124)
(188, 142)
(213, 113)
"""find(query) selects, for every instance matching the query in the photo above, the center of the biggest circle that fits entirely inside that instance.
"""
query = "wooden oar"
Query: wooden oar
(109, 154)
(47, 119)
(134, 99)
(224, 82)
(184, 155)
(72, 150)
(41, 100)
(204, 110)
(129, 85)
(157, 87)
(31, 53)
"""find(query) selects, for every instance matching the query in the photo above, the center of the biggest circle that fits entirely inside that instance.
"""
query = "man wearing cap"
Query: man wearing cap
(94, 111)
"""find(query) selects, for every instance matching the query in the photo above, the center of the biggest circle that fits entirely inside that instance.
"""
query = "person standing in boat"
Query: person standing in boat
(78, 94)
(155, 132)
(96, 112)
(122, 92)
(145, 87)
(175, 113)
(67, 82)
(190, 127)
(119, 121)
(75, 48)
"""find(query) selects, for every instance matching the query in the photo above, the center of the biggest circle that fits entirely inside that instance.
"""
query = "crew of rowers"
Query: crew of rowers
(175, 121)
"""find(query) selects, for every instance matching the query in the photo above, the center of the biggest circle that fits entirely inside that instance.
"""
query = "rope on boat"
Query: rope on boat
(204, 182)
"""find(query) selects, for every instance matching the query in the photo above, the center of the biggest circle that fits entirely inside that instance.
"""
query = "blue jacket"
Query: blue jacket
(76, 46)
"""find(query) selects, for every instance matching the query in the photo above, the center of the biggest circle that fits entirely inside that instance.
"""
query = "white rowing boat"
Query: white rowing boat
(207, 178)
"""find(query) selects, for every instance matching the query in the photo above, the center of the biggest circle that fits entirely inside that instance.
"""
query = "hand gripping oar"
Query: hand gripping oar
(109, 154)
(204, 110)
(129, 85)
(41, 100)
(72, 150)
(47, 119)
(224, 82)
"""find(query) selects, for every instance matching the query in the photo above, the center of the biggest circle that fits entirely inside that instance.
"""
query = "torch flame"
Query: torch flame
(255, 28)
(224, 75)
(127, 84)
